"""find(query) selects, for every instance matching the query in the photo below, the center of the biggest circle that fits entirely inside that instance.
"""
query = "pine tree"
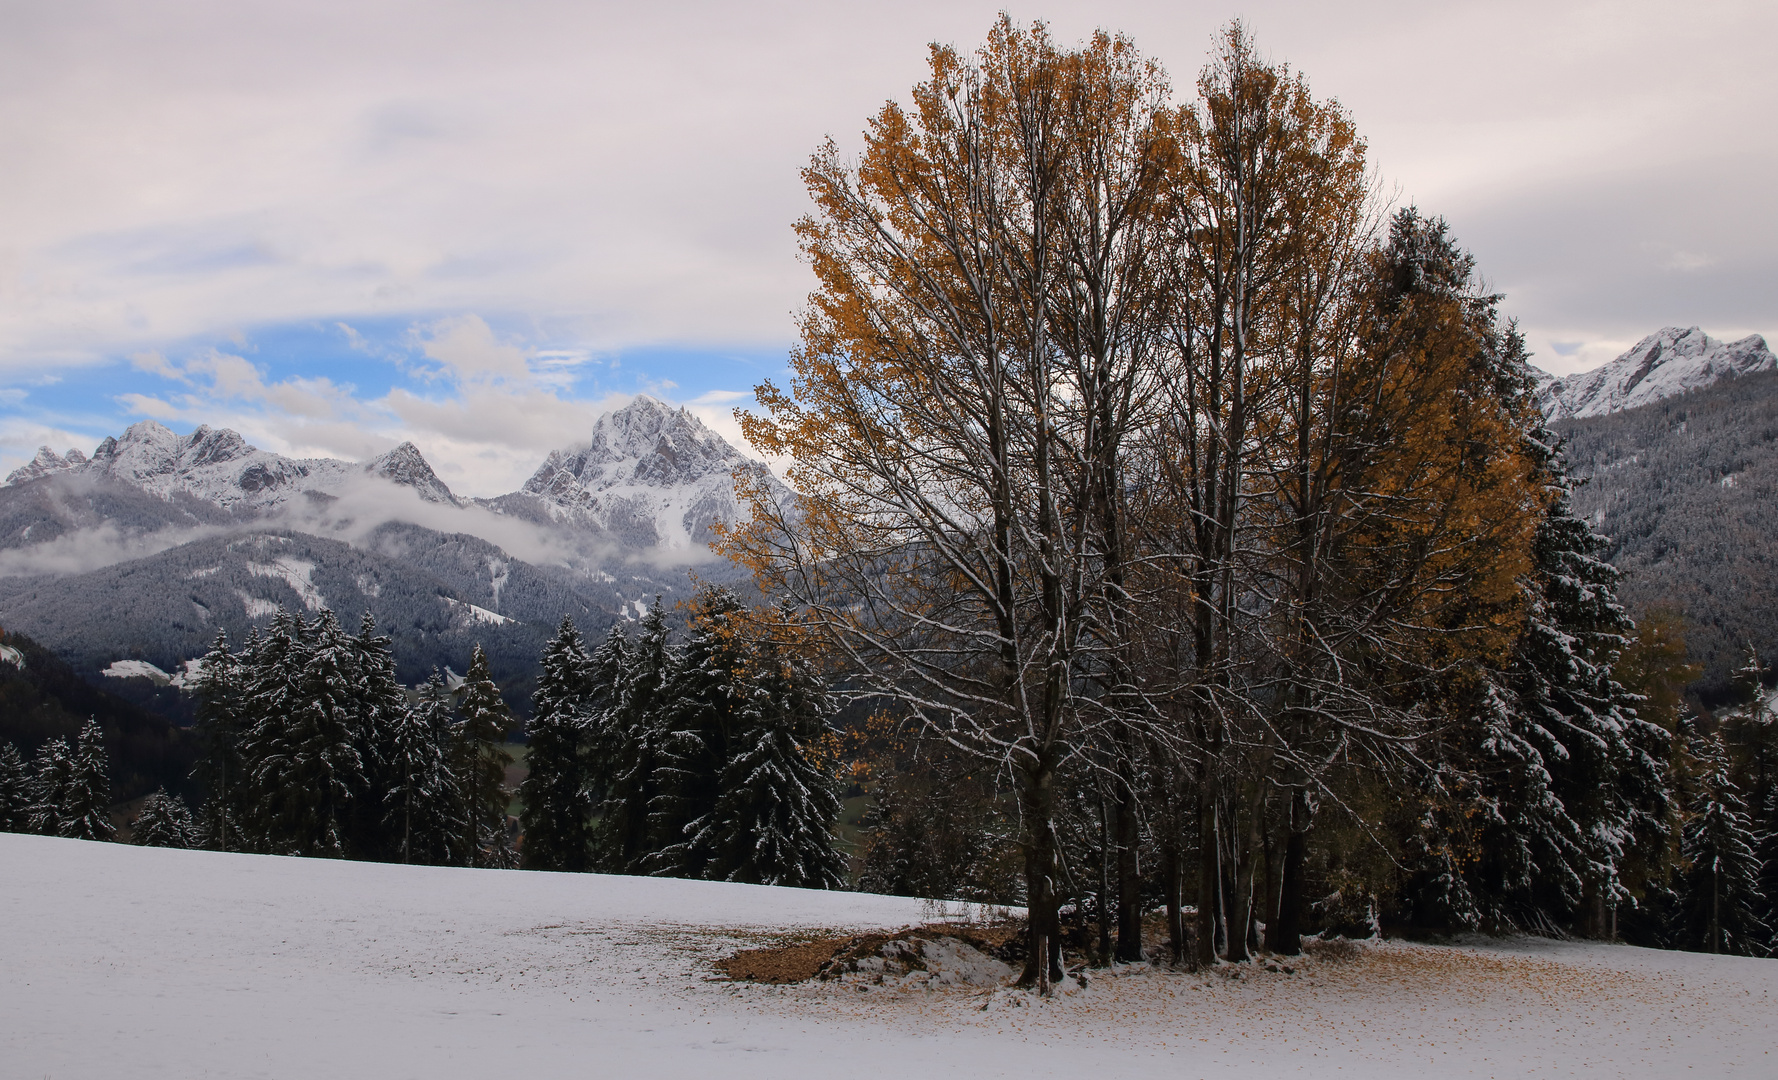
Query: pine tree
(307, 765)
(630, 741)
(270, 670)
(773, 819)
(221, 722)
(1720, 893)
(51, 773)
(15, 791)
(379, 707)
(700, 720)
(165, 821)
(556, 795)
(480, 762)
(425, 807)
(86, 801)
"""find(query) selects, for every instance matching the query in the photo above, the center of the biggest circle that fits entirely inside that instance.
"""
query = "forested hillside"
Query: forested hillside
(1686, 490)
(42, 698)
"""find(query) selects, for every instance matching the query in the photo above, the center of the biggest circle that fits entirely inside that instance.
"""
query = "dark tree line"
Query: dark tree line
(695, 759)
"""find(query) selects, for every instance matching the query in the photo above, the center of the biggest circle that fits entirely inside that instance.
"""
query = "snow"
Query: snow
(256, 608)
(478, 615)
(297, 574)
(163, 963)
(1661, 365)
(12, 656)
(136, 669)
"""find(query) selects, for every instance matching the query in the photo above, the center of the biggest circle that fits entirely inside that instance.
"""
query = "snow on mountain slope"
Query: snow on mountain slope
(153, 963)
(1668, 362)
(220, 467)
(651, 476)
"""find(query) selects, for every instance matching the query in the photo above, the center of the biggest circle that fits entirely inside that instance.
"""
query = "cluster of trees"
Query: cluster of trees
(1146, 464)
(65, 791)
(711, 757)
(707, 758)
(310, 746)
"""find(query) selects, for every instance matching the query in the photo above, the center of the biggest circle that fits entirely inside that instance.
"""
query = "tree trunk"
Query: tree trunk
(1209, 870)
(1105, 859)
(1129, 883)
(1043, 957)
(1285, 936)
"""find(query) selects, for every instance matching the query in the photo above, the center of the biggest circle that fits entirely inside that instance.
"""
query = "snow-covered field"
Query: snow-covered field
(126, 962)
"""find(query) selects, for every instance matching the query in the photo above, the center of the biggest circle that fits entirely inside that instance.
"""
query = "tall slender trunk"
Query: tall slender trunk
(1106, 857)
(1286, 935)
(1129, 883)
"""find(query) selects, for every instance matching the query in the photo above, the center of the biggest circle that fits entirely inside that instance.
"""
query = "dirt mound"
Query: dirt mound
(941, 954)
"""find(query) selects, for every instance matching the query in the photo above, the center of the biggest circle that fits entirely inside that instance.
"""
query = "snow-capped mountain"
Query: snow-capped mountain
(218, 466)
(1668, 362)
(651, 476)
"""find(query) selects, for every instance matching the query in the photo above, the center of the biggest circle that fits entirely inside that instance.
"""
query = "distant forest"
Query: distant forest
(1686, 493)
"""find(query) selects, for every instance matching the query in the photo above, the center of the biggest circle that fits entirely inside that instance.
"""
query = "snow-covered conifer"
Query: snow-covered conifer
(380, 706)
(776, 806)
(1721, 899)
(556, 796)
(50, 774)
(307, 764)
(424, 805)
(221, 722)
(699, 717)
(15, 790)
(630, 739)
(164, 821)
(86, 801)
(480, 760)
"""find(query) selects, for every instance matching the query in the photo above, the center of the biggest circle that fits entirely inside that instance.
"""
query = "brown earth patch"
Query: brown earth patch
(820, 959)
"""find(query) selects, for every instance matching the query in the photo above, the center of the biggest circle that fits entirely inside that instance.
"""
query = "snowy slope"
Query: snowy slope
(651, 476)
(118, 961)
(219, 467)
(1668, 362)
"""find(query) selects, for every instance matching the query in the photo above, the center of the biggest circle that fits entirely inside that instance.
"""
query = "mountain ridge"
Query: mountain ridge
(1668, 362)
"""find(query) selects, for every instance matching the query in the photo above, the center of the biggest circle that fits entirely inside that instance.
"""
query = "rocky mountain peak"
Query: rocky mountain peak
(405, 465)
(1665, 363)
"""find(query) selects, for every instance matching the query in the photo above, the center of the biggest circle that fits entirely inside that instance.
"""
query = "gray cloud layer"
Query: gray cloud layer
(629, 172)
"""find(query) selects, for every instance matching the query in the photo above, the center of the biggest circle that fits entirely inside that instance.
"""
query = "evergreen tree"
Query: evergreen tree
(424, 805)
(379, 707)
(1590, 785)
(307, 765)
(700, 719)
(1720, 893)
(556, 795)
(270, 669)
(86, 801)
(15, 791)
(630, 738)
(221, 722)
(775, 809)
(165, 821)
(480, 760)
(51, 774)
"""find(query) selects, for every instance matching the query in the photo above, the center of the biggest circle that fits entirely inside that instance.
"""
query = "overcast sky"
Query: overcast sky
(333, 226)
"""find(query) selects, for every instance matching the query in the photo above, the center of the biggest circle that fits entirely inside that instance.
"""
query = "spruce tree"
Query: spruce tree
(221, 721)
(775, 809)
(1720, 895)
(380, 706)
(15, 791)
(51, 773)
(630, 739)
(700, 717)
(165, 821)
(307, 765)
(270, 669)
(556, 797)
(424, 806)
(86, 801)
(480, 760)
